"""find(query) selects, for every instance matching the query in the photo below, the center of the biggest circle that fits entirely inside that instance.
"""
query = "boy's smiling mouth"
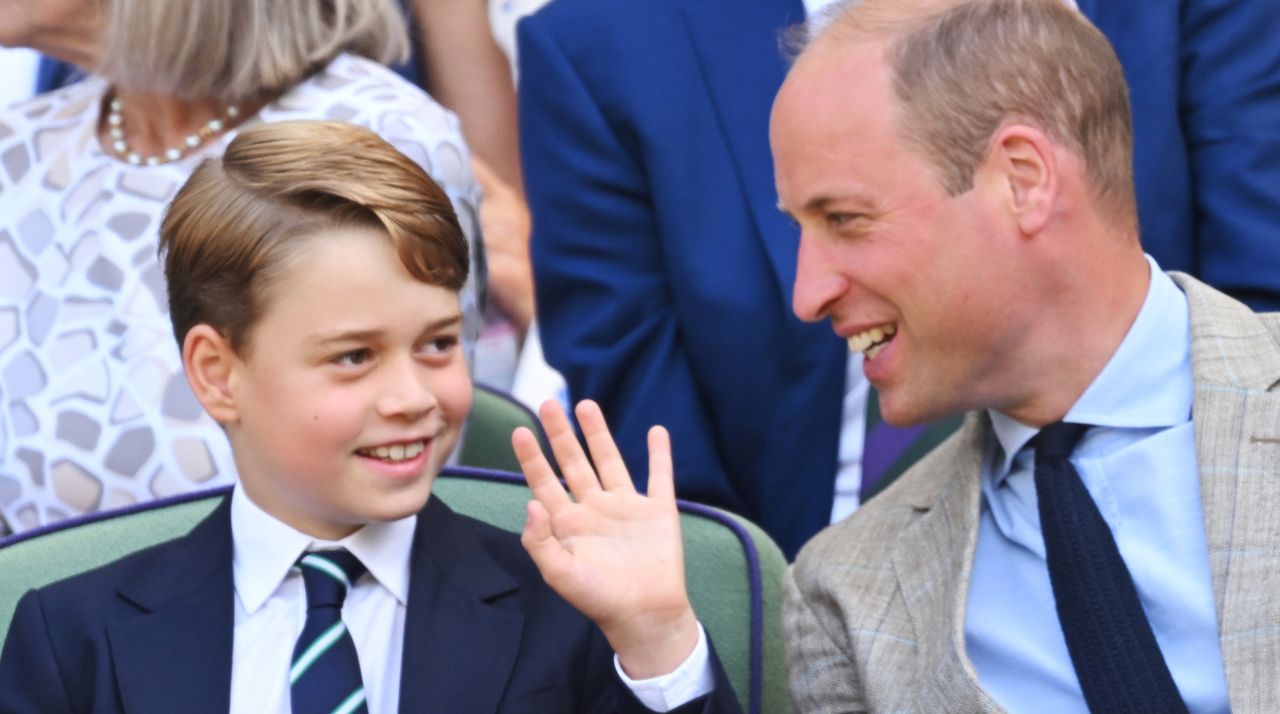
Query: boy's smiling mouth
(394, 452)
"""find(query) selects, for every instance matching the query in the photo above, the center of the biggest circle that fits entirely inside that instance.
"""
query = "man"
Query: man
(663, 268)
(961, 175)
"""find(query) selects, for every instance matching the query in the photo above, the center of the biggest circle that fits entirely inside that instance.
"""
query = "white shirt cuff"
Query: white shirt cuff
(692, 679)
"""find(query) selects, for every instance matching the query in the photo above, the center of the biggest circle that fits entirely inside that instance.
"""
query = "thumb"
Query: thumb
(547, 552)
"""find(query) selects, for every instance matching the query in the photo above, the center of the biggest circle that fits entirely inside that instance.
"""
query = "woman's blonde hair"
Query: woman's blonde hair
(238, 49)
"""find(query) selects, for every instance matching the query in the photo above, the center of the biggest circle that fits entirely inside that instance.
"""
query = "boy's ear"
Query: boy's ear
(208, 360)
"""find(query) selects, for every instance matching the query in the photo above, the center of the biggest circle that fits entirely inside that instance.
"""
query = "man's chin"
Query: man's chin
(900, 410)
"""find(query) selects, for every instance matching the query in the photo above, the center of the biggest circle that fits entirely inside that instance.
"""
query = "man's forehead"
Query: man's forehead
(828, 84)
(832, 67)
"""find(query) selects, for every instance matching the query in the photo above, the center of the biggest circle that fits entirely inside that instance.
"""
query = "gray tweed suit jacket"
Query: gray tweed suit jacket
(874, 606)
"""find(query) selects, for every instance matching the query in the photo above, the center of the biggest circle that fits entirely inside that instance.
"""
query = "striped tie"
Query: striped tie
(890, 450)
(325, 675)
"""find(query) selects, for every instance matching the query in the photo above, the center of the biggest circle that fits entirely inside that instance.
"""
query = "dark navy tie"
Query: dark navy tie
(325, 675)
(1112, 647)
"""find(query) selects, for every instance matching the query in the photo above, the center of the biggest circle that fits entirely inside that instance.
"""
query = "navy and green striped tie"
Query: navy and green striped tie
(325, 675)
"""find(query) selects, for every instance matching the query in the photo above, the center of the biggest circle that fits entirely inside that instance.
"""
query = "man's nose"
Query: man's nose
(818, 286)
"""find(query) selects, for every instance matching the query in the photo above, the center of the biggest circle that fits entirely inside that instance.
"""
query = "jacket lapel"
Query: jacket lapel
(1236, 365)
(459, 648)
(738, 51)
(933, 561)
(175, 654)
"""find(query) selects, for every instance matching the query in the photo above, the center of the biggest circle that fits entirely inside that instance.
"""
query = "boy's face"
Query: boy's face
(351, 391)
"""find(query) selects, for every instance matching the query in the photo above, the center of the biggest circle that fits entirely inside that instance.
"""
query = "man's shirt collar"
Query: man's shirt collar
(1145, 384)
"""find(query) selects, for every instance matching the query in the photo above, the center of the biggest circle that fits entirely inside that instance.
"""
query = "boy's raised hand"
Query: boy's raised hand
(611, 552)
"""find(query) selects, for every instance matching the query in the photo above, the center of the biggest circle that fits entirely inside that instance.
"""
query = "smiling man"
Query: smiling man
(961, 175)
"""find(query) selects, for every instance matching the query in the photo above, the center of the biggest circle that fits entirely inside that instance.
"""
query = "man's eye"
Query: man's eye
(354, 358)
(841, 220)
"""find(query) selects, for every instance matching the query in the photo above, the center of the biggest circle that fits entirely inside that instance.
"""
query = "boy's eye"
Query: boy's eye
(354, 358)
(441, 344)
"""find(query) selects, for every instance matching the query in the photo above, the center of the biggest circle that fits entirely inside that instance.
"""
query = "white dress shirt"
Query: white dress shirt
(271, 608)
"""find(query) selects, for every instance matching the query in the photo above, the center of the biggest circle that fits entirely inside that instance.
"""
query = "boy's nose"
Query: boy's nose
(407, 394)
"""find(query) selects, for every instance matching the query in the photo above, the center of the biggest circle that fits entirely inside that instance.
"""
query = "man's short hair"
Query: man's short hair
(962, 67)
(235, 224)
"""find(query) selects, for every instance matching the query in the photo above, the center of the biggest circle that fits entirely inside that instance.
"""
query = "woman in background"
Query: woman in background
(94, 410)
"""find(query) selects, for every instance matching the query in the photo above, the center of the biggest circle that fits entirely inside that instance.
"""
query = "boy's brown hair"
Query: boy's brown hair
(239, 219)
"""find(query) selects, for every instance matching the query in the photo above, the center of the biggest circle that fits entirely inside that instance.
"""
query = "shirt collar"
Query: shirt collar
(264, 549)
(1146, 383)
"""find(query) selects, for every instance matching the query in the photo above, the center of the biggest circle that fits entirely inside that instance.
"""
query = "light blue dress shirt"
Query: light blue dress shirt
(1139, 464)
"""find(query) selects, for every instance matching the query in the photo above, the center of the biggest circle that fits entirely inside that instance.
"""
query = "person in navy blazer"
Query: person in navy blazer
(664, 270)
(153, 632)
(313, 275)
(1204, 86)
(663, 267)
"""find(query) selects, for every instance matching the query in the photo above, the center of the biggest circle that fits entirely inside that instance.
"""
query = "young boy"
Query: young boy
(313, 275)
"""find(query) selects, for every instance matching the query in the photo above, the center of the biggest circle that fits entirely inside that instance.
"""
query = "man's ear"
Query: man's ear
(1023, 169)
(209, 361)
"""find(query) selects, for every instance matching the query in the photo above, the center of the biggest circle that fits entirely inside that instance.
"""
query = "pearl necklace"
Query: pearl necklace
(115, 127)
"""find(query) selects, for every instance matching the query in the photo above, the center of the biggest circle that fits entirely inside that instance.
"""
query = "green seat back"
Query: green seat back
(734, 570)
(486, 443)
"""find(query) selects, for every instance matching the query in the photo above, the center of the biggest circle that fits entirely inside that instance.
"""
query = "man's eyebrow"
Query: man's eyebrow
(814, 205)
(817, 204)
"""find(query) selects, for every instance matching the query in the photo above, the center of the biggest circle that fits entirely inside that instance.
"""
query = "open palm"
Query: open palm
(613, 553)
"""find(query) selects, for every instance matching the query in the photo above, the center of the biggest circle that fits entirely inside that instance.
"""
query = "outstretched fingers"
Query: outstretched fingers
(568, 451)
(661, 472)
(538, 473)
(604, 450)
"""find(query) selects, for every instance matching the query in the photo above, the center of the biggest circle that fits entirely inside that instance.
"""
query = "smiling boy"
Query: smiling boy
(313, 276)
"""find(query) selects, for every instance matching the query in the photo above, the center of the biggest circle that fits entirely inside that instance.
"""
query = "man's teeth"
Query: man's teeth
(870, 342)
(396, 452)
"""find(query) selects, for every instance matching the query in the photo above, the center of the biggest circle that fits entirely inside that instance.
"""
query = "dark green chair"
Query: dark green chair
(486, 441)
(734, 569)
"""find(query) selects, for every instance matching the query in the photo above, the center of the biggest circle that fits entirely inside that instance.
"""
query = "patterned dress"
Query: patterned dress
(95, 412)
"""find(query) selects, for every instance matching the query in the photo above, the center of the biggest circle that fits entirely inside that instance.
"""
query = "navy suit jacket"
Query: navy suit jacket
(665, 272)
(1204, 84)
(153, 632)
(663, 266)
